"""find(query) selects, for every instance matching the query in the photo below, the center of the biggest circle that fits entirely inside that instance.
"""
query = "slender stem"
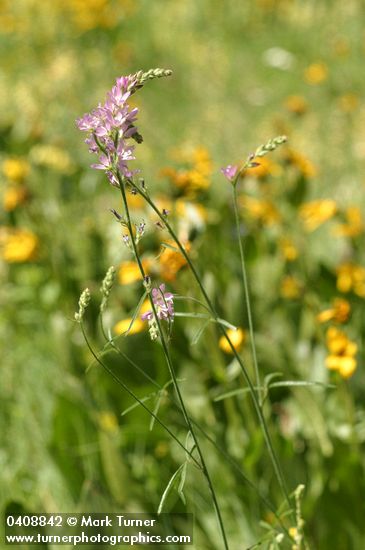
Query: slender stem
(272, 454)
(172, 371)
(132, 394)
(247, 295)
(211, 440)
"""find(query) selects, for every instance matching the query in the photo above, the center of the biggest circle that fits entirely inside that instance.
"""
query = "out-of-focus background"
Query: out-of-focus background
(242, 73)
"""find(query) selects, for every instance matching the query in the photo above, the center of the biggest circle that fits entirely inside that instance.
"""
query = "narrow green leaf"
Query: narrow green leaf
(144, 399)
(170, 487)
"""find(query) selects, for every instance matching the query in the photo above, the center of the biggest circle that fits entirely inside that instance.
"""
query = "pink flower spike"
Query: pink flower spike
(230, 172)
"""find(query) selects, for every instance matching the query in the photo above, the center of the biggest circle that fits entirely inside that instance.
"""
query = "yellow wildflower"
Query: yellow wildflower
(171, 261)
(266, 167)
(261, 209)
(52, 157)
(354, 225)
(16, 169)
(288, 249)
(316, 212)
(339, 312)
(129, 272)
(293, 532)
(18, 245)
(302, 163)
(108, 421)
(342, 352)
(290, 287)
(351, 277)
(136, 201)
(238, 338)
(348, 102)
(194, 179)
(316, 73)
(296, 104)
(14, 195)
(122, 326)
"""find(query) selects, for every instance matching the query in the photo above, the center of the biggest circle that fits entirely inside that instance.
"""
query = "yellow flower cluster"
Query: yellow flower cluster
(339, 312)
(171, 261)
(299, 161)
(52, 157)
(17, 245)
(266, 167)
(288, 249)
(354, 225)
(91, 14)
(262, 210)
(342, 352)
(290, 287)
(315, 213)
(196, 178)
(351, 277)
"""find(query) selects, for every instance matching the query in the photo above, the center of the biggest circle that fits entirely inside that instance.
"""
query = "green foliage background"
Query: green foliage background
(64, 444)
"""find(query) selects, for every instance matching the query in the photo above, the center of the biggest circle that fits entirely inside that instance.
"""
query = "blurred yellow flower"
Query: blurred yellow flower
(171, 261)
(348, 102)
(14, 196)
(342, 352)
(351, 277)
(288, 249)
(316, 73)
(266, 167)
(16, 169)
(354, 225)
(315, 213)
(340, 312)
(18, 245)
(299, 161)
(296, 104)
(238, 338)
(122, 326)
(194, 179)
(136, 201)
(290, 287)
(108, 421)
(262, 210)
(52, 157)
(129, 272)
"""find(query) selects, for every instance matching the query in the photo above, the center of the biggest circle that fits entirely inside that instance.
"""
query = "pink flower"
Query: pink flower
(230, 172)
(164, 305)
(109, 128)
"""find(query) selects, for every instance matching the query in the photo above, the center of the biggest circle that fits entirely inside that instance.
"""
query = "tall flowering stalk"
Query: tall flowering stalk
(110, 129)
(233, 173)
(112, 135)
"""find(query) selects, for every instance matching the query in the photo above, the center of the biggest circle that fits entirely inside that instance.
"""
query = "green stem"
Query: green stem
(209, 438)
(247, 295)
(132, 394)
(172, 371)
(273, 458)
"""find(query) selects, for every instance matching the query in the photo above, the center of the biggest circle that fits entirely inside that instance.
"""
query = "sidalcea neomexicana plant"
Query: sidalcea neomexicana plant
(113, 136)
